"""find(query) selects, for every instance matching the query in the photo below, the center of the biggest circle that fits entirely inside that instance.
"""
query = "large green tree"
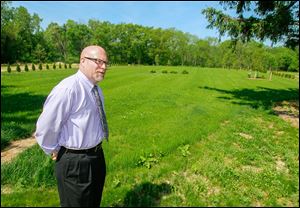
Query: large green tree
(19, 31)
(78, 36)
(56, 38)
(274, 20)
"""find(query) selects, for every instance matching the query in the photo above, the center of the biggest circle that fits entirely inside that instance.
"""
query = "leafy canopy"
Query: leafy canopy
(274, 20)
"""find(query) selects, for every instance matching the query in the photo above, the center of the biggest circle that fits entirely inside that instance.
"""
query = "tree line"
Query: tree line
(24, 41)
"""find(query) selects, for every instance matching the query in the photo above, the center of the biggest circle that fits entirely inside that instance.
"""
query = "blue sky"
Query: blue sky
(182, 15)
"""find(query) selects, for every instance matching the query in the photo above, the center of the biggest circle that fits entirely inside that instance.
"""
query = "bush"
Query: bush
(18, 68)
(33, 67)
(47, 66)
(185, 72)
(54, 66)
(152, 71)
(59, 65)
(70, 65)
(26, 68)
(40, 66)
(173, 72)
(164, 71)
(66, 66)
(8, 68)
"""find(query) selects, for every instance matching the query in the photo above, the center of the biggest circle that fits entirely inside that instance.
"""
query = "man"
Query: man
(71, 129)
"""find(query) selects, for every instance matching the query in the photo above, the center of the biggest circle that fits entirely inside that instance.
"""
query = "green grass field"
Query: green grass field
(206, 138)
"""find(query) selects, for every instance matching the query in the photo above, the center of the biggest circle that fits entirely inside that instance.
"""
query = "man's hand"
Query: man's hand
(54, 155)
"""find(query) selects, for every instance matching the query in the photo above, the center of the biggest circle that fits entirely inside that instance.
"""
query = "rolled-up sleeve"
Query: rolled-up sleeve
(55, 112)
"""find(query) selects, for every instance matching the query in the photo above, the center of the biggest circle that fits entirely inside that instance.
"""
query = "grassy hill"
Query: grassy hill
(208, 137)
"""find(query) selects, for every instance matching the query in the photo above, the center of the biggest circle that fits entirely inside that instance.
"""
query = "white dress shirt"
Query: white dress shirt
(70, 117)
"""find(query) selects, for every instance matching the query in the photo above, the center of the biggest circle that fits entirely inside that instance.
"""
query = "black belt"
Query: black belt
(91, 150)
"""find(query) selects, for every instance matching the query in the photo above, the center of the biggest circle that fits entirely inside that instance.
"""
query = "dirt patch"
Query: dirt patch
(15, 148)
(288, 111)
(251, 168)
(280, 166)
(279, 133)
(6, 189)
(225, 123)
(246, 136)
(285, 202)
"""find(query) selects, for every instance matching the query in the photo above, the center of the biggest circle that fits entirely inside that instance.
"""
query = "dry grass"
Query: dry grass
(288, 111)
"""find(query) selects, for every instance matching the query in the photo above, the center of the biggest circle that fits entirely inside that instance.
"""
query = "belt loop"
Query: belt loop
(66, 150)
(98, 147)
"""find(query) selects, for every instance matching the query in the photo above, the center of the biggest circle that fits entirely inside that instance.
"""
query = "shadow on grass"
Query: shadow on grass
(18, 110)
(145, 195)
(261, 97)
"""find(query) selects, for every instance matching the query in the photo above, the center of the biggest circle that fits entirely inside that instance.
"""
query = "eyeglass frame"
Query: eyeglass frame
(98, 61)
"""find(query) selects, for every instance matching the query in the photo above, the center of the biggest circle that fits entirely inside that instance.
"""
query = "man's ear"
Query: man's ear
(82, 60)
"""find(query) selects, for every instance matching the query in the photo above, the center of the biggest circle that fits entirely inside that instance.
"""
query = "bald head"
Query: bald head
(93, 63)
(92, 51)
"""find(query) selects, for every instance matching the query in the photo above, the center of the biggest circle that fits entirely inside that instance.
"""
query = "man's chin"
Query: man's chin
(99, 79)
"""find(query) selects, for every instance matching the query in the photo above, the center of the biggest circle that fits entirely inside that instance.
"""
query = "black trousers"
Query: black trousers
(80, 178)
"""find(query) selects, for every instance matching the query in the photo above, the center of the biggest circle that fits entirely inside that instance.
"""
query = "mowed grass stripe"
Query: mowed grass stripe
(170, 120)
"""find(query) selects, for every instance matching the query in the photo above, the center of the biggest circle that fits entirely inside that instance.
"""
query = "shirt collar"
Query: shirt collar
(85, 80)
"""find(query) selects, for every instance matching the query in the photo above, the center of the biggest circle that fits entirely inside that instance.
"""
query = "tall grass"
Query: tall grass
(206, 138)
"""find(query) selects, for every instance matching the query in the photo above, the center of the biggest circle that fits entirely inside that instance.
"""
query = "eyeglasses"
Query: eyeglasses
(98, 61)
